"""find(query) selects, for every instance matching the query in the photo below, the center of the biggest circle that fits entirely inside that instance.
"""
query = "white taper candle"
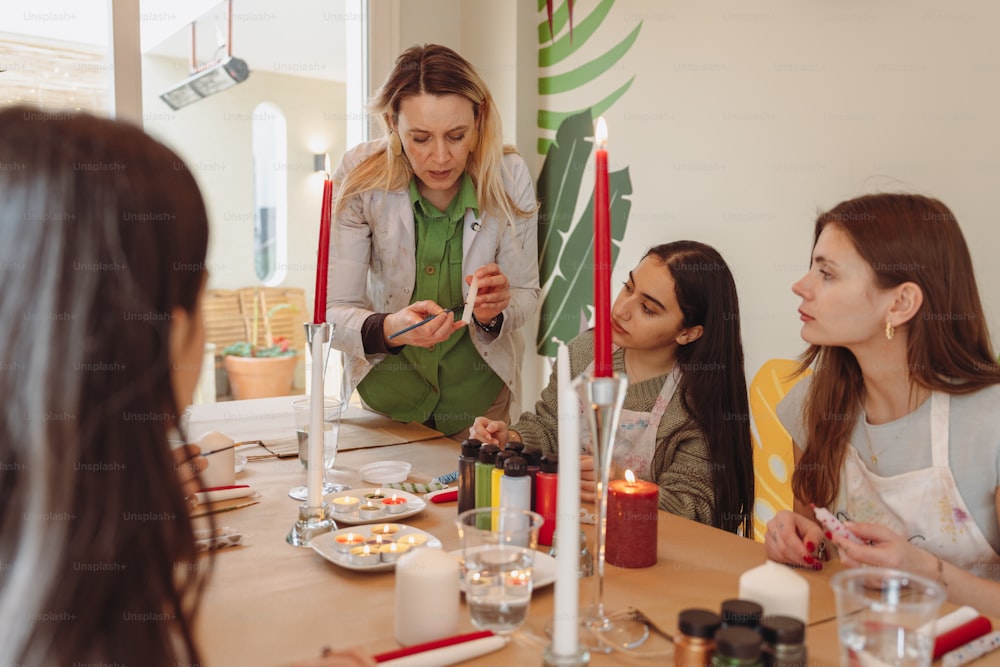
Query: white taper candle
(316, 432)
(567, 586)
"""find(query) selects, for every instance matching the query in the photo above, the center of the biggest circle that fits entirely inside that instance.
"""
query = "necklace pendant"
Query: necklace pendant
(874, 460)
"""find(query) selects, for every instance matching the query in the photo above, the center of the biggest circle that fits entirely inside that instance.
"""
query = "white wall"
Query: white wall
(744, 120)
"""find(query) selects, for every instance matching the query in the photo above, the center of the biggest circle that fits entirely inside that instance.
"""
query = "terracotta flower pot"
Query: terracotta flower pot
(260, 377)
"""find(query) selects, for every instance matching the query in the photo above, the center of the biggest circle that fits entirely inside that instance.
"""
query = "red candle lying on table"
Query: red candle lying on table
(632, 514)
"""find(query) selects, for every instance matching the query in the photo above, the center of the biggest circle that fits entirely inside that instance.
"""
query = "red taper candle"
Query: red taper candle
(602, 256)
(323, 253)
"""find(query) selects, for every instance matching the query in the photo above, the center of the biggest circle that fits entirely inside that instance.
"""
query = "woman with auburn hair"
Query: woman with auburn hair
(897, 429)
(102, 276)
(418, 216)
(685, 422)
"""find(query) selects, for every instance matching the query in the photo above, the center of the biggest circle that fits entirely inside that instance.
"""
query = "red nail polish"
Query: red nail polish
(810, 547)
(817, 566)
(809, 560)
(829, 535)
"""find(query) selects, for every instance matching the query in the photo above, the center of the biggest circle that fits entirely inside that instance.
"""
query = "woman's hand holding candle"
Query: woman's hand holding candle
(492, 294)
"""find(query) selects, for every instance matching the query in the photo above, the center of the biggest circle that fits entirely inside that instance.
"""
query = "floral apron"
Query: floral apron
(924, 505)
(635, 440)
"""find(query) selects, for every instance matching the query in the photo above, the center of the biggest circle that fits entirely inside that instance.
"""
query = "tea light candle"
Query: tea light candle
(395, 504)
(346, 504)
(414, 540)
(386, 529)
(375, 495)
(390, 553)
(632, 514)
(378, 540)
(370, 509)
(365, 555)
(347, 541)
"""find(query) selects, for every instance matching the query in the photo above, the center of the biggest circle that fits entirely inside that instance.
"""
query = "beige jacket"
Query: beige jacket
(373, 266)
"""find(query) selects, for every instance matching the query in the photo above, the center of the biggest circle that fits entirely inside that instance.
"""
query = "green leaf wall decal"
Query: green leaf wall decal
(560, 83)
(566, 251)
(567, 45)
(565, 245)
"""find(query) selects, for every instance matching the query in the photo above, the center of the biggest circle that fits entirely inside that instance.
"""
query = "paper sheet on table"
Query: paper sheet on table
(360, 428)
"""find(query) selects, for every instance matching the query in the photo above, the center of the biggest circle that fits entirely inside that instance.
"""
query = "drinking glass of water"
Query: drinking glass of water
(886, 617)
(498, 555)
(331, 432)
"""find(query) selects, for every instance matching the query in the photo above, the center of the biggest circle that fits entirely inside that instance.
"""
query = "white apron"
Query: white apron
(924, 505)
(635, 440)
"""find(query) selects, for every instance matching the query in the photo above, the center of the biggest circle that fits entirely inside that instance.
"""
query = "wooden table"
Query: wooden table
(269, 603)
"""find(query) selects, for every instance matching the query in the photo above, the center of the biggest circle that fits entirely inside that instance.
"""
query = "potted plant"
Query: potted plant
(260, 370)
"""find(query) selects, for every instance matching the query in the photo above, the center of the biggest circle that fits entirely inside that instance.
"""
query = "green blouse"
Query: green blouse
(450, 382)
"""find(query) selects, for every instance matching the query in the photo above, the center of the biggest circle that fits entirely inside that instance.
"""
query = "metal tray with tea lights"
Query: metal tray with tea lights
(374, 505)
(372, 548)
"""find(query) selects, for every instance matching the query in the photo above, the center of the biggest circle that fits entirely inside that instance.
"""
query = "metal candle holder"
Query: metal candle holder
(315, 515)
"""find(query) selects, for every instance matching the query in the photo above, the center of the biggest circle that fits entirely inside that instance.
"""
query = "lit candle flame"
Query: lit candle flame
(630, 477)
(601, 133)
(326, 166)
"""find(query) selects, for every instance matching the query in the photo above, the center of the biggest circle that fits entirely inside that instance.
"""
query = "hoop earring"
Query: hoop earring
(473, 141)
(395, 145)
(890, 331)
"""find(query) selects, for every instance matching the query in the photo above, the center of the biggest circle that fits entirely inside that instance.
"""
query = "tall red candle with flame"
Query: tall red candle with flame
(323, 254)
(602, 256)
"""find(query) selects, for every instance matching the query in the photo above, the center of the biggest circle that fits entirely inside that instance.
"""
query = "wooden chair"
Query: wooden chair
(773, 459)
(224, 325)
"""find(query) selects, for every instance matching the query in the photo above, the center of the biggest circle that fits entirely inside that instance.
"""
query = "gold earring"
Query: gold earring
(890, 331)
(473, 141)
(395, 146)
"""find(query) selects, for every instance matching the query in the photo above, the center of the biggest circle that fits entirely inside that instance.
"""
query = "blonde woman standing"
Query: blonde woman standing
(418, 216)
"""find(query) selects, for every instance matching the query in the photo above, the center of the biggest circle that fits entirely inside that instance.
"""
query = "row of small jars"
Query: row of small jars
(738, 637)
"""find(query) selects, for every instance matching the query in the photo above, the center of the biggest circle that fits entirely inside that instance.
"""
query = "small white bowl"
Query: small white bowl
(385, 472)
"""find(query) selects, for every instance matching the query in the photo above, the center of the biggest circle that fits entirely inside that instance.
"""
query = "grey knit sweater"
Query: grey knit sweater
(681, 464)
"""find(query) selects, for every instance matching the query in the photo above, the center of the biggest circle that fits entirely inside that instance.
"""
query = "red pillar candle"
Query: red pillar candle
(323, 253)
(602, 256)
(632, 515)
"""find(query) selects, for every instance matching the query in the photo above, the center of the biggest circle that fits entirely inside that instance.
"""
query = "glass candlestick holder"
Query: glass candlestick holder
(315, 515)
(606, 631)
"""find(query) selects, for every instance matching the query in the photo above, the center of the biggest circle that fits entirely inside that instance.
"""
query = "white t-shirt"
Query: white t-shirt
(905, 445)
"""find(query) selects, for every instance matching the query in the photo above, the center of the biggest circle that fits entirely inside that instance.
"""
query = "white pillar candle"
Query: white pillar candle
(423, 576)
(776, 588)
(567, 586)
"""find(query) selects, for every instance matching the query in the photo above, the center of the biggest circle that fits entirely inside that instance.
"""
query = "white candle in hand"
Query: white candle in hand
(470, 301)
(565, 618)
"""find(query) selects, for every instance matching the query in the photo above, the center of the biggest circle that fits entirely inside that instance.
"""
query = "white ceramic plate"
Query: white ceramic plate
(241, 463)
(414, 505)
(543, 572)
(326, 546)
(385, 472)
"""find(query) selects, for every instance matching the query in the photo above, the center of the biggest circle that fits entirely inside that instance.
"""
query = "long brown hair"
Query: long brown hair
(105, 236)
(903, 238)
(437, 70)
(713, 385)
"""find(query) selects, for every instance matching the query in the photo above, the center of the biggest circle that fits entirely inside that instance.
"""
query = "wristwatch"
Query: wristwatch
(490, 326)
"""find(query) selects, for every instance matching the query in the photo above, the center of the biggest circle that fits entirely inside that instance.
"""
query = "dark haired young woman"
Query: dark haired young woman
(676, 331)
